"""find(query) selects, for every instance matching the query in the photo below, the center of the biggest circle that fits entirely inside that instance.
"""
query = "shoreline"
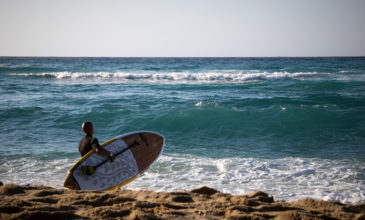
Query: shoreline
(43, 202)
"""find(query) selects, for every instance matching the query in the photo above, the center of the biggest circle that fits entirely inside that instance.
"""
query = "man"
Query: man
(89, 142)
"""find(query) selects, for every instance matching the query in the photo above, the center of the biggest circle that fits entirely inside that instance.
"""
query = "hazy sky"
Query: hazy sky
(182, 28)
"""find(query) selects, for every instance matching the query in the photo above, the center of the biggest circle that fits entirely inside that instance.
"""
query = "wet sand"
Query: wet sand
(42, 202)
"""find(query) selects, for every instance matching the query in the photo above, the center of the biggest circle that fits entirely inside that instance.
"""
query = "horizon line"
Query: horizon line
(345, 56)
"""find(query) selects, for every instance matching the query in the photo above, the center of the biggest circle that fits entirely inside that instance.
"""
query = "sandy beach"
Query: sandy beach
(42, 202)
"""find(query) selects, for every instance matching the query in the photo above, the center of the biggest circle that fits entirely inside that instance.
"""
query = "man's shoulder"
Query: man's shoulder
(86, 139)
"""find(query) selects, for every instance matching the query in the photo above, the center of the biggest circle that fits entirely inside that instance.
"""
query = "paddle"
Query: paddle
(90, 170)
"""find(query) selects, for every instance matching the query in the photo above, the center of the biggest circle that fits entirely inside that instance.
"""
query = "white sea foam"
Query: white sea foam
(202, 104)
(174, 77)
(34, 171)
(285, 178)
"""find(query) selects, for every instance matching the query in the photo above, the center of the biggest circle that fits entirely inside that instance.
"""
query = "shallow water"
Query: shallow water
(293, 127)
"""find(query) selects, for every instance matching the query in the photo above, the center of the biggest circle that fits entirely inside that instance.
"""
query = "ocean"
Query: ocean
(292, 127)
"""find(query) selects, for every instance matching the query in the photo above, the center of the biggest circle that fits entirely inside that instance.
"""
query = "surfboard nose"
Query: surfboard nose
(152, 139)
(150, 147)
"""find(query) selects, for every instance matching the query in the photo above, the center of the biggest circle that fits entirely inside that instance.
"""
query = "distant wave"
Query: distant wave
(177, 77)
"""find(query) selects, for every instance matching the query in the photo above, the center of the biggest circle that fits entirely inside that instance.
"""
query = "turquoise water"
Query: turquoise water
(293, 127)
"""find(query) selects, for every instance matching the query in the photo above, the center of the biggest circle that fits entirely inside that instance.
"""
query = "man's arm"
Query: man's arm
(101, 151)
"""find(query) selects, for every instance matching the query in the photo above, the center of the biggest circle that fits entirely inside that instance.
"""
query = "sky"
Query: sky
(182, 28)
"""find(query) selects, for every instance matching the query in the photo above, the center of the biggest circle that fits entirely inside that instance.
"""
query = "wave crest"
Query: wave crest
(177, 77)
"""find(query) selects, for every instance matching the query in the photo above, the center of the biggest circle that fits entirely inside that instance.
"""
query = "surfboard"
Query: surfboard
(136, 151)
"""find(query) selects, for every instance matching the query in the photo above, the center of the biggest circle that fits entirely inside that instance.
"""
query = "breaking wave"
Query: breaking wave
(177, 77)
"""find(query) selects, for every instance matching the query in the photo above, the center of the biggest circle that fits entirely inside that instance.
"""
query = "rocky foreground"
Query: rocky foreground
(41, 202)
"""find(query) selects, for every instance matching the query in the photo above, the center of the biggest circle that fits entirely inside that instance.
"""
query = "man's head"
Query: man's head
(88, 128)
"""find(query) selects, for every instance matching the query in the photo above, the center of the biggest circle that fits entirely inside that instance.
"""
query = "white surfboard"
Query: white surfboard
(136, 152)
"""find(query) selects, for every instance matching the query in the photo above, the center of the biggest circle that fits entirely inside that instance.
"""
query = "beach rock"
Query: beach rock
(360, 217)
(182, 199)
(11, 189)
(204, 190)
(260, 196)
(257, 194)
(139, 214)
(1, 183)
